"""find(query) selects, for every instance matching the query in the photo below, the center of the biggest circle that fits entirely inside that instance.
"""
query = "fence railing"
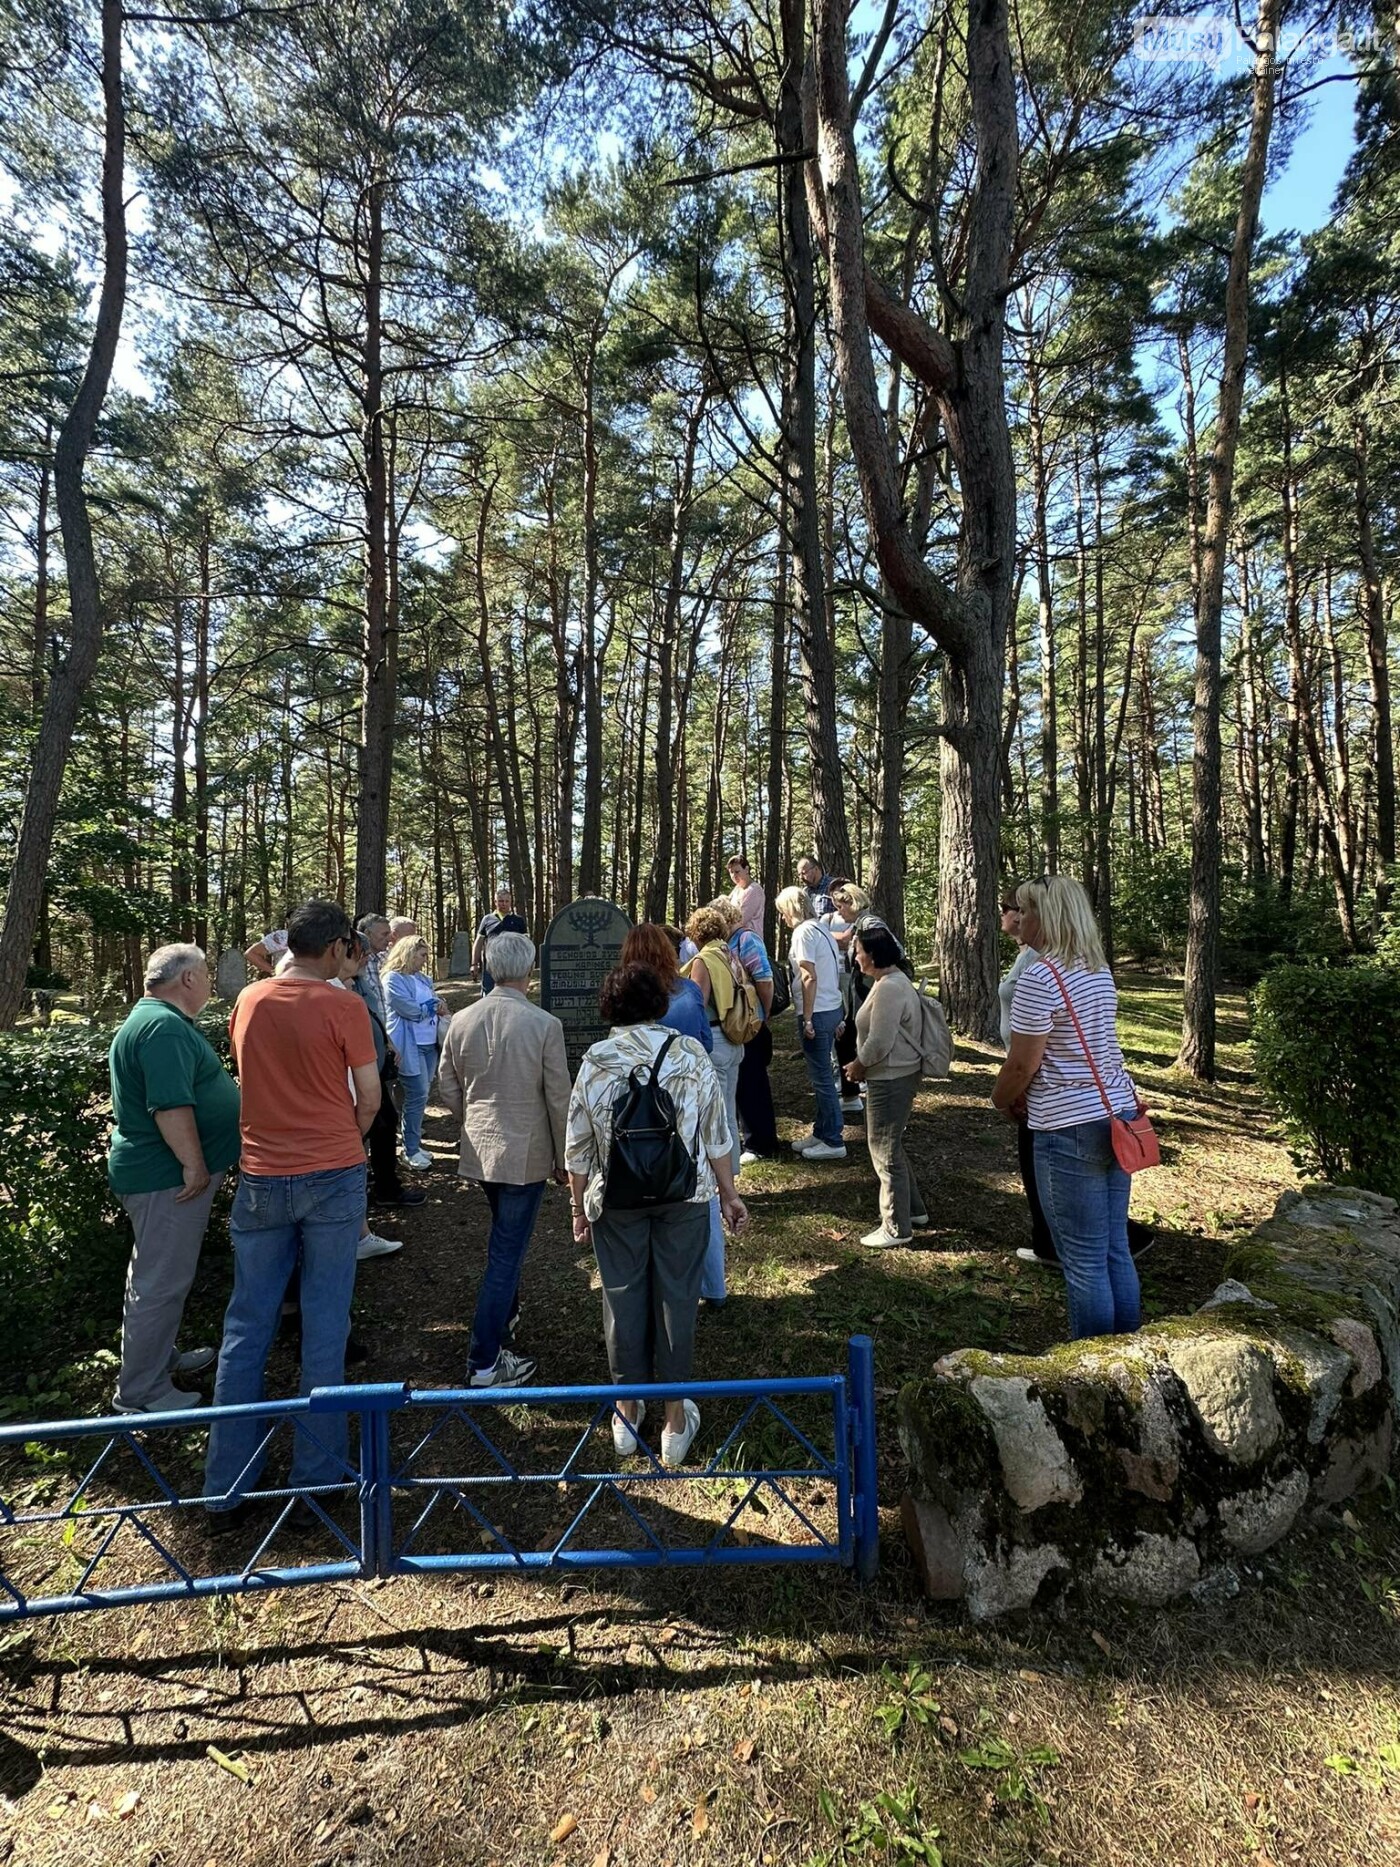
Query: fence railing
(110, 1512)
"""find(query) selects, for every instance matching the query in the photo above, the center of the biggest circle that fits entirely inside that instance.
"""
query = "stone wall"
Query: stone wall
(1145, 1467)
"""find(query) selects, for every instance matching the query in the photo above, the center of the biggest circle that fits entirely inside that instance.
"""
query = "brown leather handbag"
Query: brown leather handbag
(1134, 1139)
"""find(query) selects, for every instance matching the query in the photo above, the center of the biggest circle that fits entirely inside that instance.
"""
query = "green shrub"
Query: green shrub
(1259, 929)
(1327, 1052)
(63, 1238)
(1151, 892)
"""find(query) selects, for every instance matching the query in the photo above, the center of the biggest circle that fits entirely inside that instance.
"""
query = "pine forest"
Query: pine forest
(564, 445)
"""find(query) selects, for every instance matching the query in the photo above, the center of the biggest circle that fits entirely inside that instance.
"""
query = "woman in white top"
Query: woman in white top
(1041, 1249)
(816, 999)
(1055, 1077)
(851, 903)
(650, 1258)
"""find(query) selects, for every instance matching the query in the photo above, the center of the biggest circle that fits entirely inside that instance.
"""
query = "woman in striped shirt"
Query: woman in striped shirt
(1049, 1078)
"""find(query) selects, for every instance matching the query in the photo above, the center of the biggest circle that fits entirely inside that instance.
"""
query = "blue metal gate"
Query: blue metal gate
(442, 1480)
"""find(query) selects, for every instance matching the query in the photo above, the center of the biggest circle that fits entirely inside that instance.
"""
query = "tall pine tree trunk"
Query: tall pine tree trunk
(970, 620)
(816, 647)
(377, 679)
(1197, 1054)
(73, 673)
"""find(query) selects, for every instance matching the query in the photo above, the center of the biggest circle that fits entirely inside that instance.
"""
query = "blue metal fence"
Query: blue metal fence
(443, 1480)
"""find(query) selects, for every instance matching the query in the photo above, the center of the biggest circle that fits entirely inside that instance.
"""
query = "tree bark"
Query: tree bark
(1197, 1054)
(590, 858)
(1377, 658)
(377, 680)
(1045, 590)
(816, 647)
(969, 620)
(74, 672)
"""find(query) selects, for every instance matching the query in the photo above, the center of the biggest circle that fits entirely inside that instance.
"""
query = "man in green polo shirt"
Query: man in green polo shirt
(176, 1136)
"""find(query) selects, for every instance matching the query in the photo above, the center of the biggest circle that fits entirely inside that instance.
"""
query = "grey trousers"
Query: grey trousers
(888, 1100)
(650, 1263)
(728, 1059)
(158, 1279)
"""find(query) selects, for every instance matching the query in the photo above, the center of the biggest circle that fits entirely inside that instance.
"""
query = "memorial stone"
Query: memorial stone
(460, 964)
(231, 975)
(580, 950)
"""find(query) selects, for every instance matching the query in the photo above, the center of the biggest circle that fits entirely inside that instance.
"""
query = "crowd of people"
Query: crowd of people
(337, 1045)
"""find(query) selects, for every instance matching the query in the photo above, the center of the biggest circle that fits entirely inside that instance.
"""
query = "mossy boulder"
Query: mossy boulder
(1140, 1467)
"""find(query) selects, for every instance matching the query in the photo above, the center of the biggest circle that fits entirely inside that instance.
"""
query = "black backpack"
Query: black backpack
(649, 1163)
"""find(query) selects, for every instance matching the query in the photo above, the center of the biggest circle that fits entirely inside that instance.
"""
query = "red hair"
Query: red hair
(649, 945)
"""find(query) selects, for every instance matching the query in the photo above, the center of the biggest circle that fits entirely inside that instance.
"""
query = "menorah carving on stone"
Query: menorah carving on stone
(590, 921)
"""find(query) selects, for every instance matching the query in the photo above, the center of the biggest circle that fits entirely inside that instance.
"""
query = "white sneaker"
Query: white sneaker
(803, 1142)
(674, 1446)
(1027, 1256)
(373, 1246)
(881, 1240)
(627, 1434)
(422, 1160)
(822, 1150)
(509, 1371)
(747, 1158)
(194, 1361)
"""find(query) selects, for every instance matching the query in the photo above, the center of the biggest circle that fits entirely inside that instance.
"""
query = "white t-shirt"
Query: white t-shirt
(1006, 991)
(837, 923)
(1062, 1093)
(811, 941)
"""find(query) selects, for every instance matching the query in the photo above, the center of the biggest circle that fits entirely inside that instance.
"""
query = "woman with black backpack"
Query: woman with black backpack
(648, 1145)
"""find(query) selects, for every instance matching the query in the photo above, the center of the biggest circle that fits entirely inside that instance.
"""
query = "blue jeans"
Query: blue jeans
(712, 1285)
(1085, 1195)
(514, 1210)
(830, 1123)
(275, 1220)
(415, 1099)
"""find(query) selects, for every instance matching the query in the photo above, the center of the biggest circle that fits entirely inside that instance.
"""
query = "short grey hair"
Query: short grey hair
(167, 963)
(368, 922)
(509, 955)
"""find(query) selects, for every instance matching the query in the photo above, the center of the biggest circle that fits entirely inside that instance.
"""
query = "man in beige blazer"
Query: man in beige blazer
(504, 1075)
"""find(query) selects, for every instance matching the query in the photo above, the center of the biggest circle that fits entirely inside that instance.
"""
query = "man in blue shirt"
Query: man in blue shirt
(818, 885)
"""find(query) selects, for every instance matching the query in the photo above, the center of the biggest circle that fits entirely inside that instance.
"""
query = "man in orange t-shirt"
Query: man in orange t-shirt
(299, 1045)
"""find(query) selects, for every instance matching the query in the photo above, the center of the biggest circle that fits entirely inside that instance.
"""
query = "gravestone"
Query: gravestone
(460, 964)
(231, 975)
(579, 952)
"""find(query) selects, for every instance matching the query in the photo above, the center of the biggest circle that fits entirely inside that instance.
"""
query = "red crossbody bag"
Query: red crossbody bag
(1134, 1139)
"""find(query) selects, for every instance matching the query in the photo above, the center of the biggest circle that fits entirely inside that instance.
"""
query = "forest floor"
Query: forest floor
(786, 1716)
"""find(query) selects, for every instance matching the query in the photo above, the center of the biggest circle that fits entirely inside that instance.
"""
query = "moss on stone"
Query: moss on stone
(1268, 1278)
(947, 1439)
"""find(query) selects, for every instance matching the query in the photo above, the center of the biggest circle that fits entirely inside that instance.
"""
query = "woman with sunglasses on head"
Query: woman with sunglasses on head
(1062, 1064)
(1041, 1249)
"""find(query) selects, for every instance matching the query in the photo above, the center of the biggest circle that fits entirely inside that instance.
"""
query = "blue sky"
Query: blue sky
(1301, 198)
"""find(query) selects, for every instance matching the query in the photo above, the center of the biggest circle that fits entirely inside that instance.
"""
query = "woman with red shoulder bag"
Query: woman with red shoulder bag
(1065, 1072)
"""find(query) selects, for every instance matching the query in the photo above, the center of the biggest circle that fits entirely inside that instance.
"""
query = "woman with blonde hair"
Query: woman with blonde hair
(413, 1030)
(1064, 1045)
(852, 904)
